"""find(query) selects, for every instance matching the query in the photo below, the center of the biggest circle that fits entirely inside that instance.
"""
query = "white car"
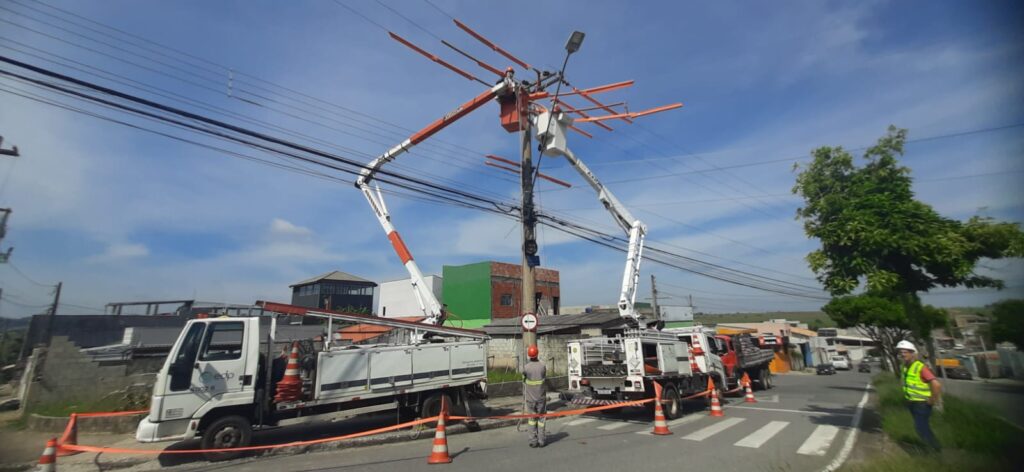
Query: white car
(840, 363)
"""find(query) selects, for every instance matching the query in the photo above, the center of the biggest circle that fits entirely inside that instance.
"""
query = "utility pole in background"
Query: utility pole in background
(654, 298)
(5, 256)
(53, 313)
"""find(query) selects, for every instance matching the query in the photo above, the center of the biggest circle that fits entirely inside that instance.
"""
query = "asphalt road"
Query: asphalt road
(801, 424)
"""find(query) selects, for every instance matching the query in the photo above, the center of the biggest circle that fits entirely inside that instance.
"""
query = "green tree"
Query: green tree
(1008, 322)
(879, 242)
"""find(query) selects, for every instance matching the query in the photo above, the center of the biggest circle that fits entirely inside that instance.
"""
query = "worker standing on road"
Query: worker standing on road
(535, 396)
(921, 390)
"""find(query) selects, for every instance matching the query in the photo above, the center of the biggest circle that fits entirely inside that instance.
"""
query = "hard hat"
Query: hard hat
(906, 345)
(532, 352)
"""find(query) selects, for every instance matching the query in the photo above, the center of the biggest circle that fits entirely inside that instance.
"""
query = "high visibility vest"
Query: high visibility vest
(914, 389)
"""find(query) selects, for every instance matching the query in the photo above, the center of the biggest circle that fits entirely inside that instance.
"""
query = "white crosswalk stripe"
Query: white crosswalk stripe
(676, 422)
(613, 426)
(708, 431)
(580, 421)
(762, 435)
(819, 441)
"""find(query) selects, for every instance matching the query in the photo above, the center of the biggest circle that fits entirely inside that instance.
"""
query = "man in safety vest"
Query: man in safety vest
(535, 396)
(921, 390)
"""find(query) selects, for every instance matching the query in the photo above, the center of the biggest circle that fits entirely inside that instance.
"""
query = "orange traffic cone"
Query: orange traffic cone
(716, 404)
(439, 453)
(660, 426)
(48, 461)
(693, 362)
(70, 437)
(749, 398)
(289, 389)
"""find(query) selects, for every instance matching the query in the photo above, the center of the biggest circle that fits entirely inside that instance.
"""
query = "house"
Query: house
(478, 293)
(398, 299)
(335, 290)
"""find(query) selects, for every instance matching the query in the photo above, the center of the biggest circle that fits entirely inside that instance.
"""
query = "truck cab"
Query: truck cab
(213, 365)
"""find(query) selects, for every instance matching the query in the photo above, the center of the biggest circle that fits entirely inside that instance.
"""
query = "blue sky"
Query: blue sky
(119, 214)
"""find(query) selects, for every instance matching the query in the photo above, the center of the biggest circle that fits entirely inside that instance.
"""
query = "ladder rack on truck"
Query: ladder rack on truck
(221, 379)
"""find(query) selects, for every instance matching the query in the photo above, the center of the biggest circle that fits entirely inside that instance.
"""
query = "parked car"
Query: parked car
(864, 367)
(840, 363)
(825, 369)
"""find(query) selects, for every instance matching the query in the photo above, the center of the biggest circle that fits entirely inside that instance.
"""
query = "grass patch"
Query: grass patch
(972, 438)
(66, 409)
(502, 375)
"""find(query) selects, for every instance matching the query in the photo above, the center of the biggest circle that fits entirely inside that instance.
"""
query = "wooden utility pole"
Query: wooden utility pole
(529, 219)
(654, 298)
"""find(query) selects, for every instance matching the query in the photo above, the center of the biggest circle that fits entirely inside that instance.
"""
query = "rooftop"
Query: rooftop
(335, 275)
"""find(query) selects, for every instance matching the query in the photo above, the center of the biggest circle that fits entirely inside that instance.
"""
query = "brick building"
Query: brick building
(477, 293)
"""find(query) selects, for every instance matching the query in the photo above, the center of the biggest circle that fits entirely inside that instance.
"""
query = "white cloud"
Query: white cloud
(119, 252)
(284, 227)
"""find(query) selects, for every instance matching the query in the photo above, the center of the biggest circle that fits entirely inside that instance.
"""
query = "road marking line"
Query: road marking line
(580, 421)
(708, 431)
(761, 436)
(818, 442)
(612, 426)
(677, 422)
(852, 437)
(782, 410)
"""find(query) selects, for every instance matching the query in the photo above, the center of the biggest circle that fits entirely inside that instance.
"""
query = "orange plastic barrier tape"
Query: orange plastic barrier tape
(114, 450)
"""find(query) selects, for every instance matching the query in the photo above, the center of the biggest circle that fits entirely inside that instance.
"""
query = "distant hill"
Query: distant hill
(810, 317)
(15, 323)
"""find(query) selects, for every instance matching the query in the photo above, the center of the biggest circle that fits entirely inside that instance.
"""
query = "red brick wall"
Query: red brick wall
(506, 279)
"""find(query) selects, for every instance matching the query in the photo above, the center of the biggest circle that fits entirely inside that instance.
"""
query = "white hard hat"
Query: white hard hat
(906, 345)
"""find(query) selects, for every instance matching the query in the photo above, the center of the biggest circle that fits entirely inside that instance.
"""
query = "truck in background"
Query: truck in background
(738, 354)
(219, 382)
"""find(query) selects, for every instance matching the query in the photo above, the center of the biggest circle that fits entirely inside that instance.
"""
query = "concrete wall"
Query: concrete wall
(507, 352)
(65, 376)
(397, 297)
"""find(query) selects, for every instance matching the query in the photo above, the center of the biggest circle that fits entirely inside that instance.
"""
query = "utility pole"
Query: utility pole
(529, 217)
(654, 298)
(13, 151)
(53, 313)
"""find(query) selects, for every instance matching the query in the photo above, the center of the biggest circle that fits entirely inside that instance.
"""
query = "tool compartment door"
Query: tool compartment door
(391, 368)
(667, 361)
(468, 360)
(342, 373)
(431, 364)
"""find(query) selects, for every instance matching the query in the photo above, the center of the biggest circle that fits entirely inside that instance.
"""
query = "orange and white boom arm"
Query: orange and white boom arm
(431, 308)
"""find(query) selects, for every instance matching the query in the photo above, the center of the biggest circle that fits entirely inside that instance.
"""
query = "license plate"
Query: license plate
(604, 391)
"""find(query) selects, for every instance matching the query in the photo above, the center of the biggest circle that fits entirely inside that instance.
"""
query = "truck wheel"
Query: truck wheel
(767, 379)
(227, 432)
(432, 405)
(671, 407)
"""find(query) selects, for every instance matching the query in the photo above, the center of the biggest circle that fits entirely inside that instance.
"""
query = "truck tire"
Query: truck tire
(672, 407)
(227, 432)
(431, 407)
(767, 379)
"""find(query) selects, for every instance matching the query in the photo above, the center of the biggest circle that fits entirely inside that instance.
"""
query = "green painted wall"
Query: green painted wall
(467, 290)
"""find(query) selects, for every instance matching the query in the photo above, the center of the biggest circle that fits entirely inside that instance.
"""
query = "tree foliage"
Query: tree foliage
(872, 228)
(882, 244)
(1008, 322)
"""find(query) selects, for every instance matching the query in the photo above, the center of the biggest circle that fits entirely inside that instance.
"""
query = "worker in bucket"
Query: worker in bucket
(921, 390)
(535, 396)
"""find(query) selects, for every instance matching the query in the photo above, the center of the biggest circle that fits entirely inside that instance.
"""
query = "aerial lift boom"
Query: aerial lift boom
(551, 129)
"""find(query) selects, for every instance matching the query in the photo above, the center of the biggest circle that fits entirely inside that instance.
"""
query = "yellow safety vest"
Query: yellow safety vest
(914, 389)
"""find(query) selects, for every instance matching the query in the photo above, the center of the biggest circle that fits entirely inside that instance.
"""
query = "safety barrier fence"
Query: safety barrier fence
(68, 442)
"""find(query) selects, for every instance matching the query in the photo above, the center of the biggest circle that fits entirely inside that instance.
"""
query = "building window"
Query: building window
(506, 299)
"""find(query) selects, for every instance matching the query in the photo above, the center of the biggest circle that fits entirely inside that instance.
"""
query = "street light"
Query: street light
(575, 41)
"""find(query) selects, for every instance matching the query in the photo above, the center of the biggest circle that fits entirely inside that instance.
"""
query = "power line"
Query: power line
(446, 193)
(30, 279)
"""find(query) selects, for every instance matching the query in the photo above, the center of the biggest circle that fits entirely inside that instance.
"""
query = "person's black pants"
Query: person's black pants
(922, 412)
